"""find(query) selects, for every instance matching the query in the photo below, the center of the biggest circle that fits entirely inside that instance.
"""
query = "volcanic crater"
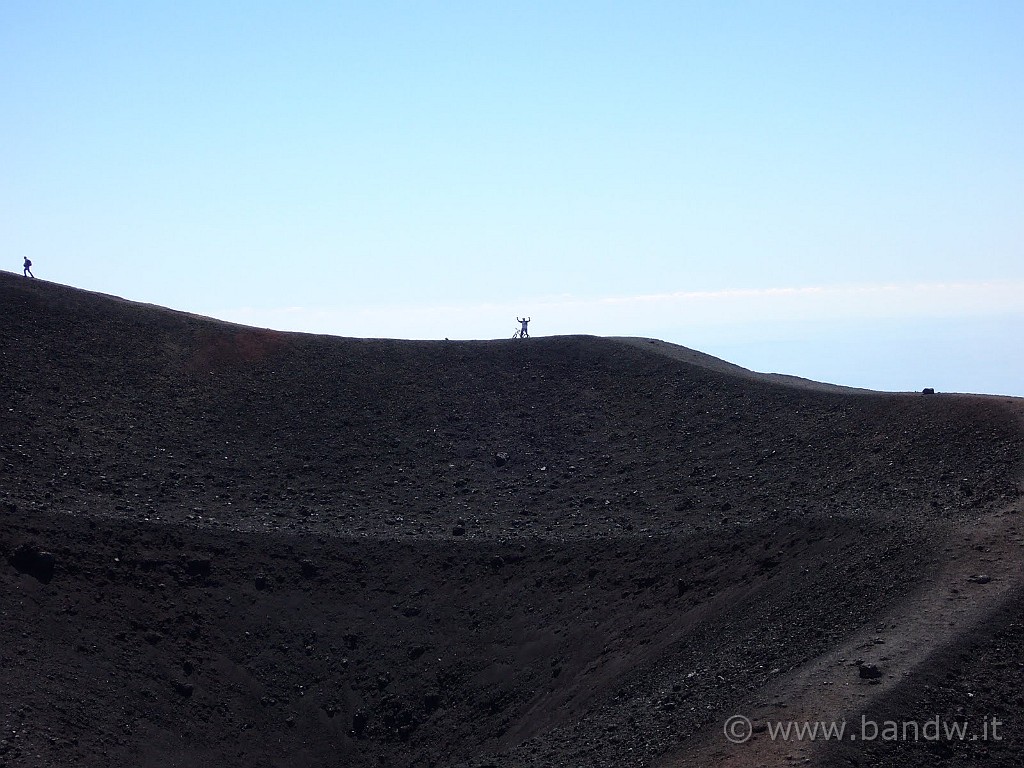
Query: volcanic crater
(230, 546)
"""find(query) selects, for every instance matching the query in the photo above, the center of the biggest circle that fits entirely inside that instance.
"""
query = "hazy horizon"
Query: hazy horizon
(826, 190)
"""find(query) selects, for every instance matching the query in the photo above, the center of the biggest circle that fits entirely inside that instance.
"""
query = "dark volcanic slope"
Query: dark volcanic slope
(282, 549)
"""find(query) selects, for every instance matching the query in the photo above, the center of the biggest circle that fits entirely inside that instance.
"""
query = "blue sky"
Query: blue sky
(831, 190)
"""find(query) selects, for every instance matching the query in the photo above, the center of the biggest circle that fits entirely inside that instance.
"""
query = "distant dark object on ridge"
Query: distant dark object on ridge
(927, 391)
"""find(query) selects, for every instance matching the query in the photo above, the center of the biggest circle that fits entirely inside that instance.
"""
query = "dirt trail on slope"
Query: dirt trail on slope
(984, 567)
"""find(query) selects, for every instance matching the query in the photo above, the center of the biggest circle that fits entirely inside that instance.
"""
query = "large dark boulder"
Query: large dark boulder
(30, 559)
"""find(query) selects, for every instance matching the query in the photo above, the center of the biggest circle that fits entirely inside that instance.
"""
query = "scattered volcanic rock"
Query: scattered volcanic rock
(261, 545)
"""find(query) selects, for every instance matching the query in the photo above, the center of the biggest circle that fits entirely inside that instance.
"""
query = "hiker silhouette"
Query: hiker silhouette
(523, 334)
(28, 268)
